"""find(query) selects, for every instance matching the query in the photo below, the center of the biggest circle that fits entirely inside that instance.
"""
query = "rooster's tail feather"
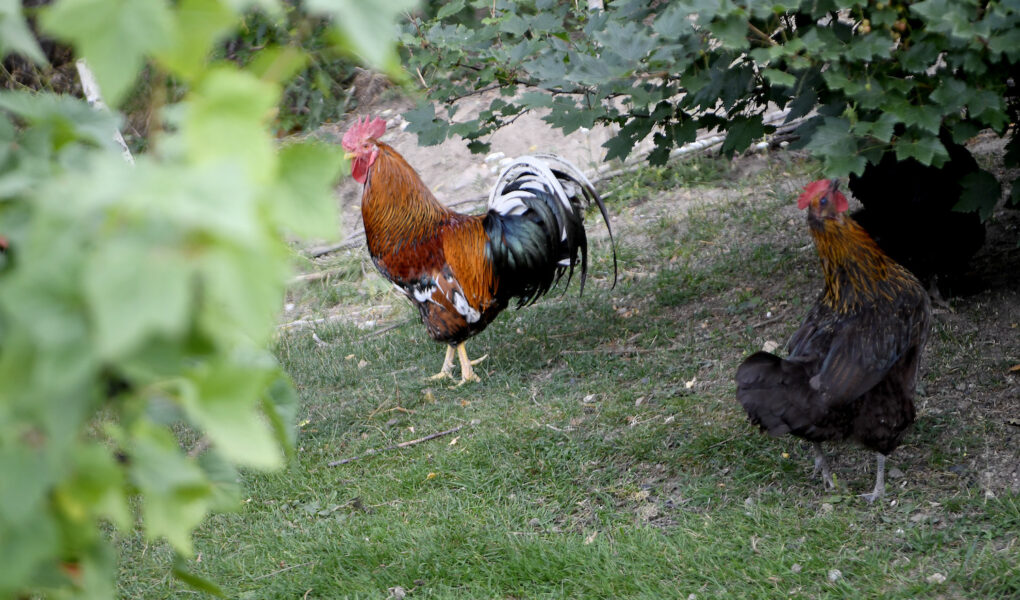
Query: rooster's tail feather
(535, 225)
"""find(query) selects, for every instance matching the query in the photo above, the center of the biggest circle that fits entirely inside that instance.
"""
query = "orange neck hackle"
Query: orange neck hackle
(397, 208)
(857, 272)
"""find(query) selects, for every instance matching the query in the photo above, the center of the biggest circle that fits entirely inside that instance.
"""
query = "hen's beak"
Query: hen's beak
(349, 155)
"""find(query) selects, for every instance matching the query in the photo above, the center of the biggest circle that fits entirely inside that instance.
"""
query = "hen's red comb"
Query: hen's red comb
(363, 129)
(820, 188)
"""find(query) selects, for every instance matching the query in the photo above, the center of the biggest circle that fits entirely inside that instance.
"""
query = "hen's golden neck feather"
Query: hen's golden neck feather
(857, 272)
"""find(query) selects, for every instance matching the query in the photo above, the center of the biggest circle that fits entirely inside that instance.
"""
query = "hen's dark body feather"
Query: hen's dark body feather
(852, 366)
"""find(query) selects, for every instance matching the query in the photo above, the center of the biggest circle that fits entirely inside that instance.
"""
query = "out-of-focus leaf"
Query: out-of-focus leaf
(223, 401)
(303, 197)
(175, 493)
(113, 35)
(226, 122)
(197, 25)
(15, 36)
(365, 25)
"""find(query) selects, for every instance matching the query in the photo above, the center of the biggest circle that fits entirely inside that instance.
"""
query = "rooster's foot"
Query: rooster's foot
(447, 371)
(466, 372)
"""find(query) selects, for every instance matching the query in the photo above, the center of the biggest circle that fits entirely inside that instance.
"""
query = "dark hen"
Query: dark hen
(908, 211)
(853, 364)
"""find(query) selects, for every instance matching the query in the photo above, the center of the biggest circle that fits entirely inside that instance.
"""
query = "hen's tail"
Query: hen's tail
(535, 226)
(778, 397)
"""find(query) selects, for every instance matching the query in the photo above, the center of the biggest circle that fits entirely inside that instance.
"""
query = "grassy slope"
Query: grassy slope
(603, 455)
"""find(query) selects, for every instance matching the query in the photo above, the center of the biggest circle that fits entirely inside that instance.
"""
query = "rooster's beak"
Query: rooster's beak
(349, 155)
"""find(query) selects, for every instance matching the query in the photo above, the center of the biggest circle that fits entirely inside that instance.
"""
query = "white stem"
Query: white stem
(596, 5)
(90, 86)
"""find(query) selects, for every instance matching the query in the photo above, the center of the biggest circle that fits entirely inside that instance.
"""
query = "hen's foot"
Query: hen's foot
(822, 466)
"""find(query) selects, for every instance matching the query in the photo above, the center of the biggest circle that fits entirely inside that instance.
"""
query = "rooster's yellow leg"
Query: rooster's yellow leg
(466, 372)
(447, 370)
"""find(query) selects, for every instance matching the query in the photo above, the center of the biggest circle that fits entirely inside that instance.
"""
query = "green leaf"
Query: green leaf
(981, 192)
(369, 27)
(422, 121)
(175, 493)
(135, 290)
(777, 77)
(741, 133)
(226, 122)
(926, 149)
(97, 488)
(303, 199)
(222, 401)
(113, 36)
(280, 405)
(198, 24)
(833, 142)
(279, 64)
(450, 8)
(731, 31)
(15, 36)
(196, 582)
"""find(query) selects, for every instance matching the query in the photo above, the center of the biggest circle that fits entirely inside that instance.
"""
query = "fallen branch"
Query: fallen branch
(385, 329)
(766, 321)
(370, 452)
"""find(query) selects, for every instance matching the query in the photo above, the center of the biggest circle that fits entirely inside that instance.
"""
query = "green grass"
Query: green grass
(603, 454)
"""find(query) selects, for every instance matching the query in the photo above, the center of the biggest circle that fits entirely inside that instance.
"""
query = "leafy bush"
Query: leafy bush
(870, 77)
(136, 301)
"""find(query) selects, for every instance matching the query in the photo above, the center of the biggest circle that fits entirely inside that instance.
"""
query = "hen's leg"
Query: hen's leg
(466, 372)
(822, 466)
(447, 370)
(879, 490)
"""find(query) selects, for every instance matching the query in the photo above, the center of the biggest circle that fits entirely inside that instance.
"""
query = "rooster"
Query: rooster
(853, 364)
(459, 270)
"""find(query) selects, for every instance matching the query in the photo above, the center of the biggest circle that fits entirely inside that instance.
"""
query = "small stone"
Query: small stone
(835, 575)
(919, 517)
(770, 346)
(535, 523)
(936, 578)
(749, 502)
(958, 469)
(392, 422)
(397, 593)
(826, 508)
(796, 568)
(895, 473)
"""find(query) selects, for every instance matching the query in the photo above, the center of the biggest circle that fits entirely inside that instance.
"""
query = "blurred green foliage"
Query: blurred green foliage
(137, 300)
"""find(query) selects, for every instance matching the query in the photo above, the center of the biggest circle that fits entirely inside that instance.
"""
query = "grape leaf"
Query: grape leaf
(113, 35)
(15, 36)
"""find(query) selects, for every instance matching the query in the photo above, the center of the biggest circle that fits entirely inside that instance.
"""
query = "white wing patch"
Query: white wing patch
(461, 304)
(423, 290)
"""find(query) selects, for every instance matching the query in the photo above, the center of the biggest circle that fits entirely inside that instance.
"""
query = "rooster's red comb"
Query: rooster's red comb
(363, 129)
(820, 188)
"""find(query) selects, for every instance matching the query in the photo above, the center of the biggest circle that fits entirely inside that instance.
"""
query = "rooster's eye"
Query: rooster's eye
(824, 200)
